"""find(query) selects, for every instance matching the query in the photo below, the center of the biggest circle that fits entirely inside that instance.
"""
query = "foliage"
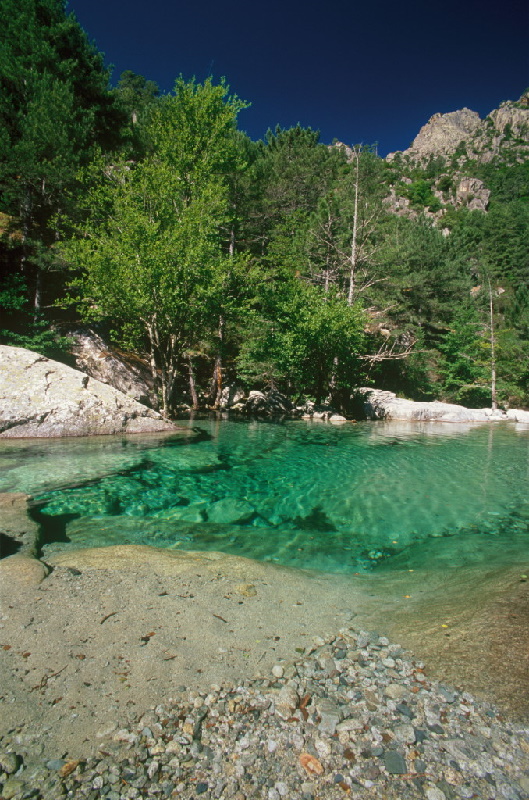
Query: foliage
(309, 345)
(151, 248)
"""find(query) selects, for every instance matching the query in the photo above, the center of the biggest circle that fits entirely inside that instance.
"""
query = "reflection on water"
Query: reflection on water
(339, 499)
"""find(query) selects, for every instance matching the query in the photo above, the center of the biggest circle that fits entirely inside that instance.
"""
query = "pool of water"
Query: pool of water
(348, 498)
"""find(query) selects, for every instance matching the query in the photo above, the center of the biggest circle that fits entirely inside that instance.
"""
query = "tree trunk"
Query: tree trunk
(192, 384)
(492, 351)
(216, 382)
(354, 243)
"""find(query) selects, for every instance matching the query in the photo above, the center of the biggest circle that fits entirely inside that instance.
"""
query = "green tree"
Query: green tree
(55, 107)
(152, 248)
(303, 341)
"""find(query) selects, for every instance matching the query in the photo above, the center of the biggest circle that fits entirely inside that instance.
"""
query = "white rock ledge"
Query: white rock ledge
(379, 404)
(44, 398)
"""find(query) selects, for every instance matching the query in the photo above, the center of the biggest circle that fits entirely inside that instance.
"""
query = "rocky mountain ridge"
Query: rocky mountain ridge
(504, 130)
(440, 170)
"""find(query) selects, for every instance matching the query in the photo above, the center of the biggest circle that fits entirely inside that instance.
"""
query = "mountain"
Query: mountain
(503, 133)
(449, 163)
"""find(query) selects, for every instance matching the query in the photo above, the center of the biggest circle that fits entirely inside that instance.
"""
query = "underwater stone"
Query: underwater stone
(228, 510)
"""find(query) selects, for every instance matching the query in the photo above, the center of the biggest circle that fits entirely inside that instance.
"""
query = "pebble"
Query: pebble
(348, 719)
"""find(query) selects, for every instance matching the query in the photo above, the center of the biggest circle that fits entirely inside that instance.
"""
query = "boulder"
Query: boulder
(44, 398)
(230, 396)
(17, 530)
(22, 571)
(516, 415)
(380, 404)
(264, 404)
(472, 193)
(127, 374)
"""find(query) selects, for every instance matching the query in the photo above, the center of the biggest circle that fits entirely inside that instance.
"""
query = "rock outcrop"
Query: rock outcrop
(505, 129)
(472, 193)
(43, 398)
(443, 133)
(96, 359)
(380, 404)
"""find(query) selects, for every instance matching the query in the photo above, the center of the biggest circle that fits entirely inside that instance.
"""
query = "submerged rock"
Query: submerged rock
(44, 398)
(230, 510)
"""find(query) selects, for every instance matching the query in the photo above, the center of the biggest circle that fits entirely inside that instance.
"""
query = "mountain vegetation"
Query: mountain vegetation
(284, 263)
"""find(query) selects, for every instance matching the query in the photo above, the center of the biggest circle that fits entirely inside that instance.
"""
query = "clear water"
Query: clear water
(343, 499)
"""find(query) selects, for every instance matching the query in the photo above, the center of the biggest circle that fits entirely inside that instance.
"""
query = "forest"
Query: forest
(154, 219)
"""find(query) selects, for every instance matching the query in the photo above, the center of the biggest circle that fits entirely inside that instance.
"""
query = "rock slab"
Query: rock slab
(379, 404)
(44, 398)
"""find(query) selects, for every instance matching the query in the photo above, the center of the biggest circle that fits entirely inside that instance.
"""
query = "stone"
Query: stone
(126, 373)
(337, 419)
(22, 571)
(395, 691)
(404, 734)
(246, 590)
(395, 762)
(330, 716)
(9, 762)
(16, 524)
(287, 701)
(229, 510)
(444, 132)
(433, 793)
(379, 404)
(12, 787)
(473, 194)
(44, 398)
(231, 396)
(270, 404)
(517, 415)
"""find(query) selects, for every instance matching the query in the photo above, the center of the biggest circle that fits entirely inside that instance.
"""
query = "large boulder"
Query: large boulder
(380, 404)
(127, 374)
(270, 403)
(43, 398)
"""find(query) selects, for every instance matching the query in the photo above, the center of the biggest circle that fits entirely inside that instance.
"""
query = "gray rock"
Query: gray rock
(22, 570)
(9, 762)
(330, 716)
(127, 374)
(380, 404)
(12, 787)
(395, 762)
(15, 522)
(44, 398)
(270, 403)
(473, 194)
(231, 396)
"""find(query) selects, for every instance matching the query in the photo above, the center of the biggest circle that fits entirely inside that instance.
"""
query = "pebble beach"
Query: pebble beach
(206, 676)
(352, 718)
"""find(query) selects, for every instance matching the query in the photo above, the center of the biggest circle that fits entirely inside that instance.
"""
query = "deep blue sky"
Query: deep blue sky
(359, 71)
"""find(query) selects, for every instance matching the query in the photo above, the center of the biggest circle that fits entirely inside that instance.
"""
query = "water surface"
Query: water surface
(342, 499)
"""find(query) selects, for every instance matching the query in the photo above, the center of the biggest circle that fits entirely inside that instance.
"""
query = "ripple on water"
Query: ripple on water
(307, 495)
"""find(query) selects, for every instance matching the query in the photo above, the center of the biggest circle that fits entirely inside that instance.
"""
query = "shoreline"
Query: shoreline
(335, 711)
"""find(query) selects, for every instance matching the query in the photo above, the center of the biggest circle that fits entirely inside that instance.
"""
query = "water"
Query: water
(339, 499)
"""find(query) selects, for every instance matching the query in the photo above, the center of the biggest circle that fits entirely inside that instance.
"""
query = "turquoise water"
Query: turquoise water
(343, 498)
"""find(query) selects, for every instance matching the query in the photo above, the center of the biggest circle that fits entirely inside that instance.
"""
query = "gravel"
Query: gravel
(353, 716)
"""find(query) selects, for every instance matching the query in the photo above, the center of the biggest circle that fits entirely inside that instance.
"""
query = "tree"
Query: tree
(151, 250)
(303, 341)
(55, 107)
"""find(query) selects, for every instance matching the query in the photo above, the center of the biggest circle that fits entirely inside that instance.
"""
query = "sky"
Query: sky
(359, 71)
